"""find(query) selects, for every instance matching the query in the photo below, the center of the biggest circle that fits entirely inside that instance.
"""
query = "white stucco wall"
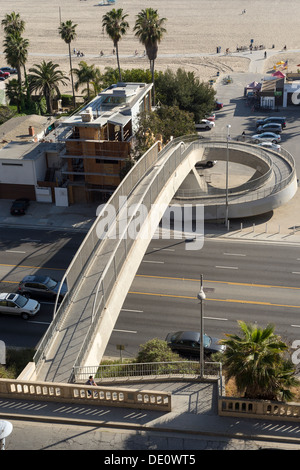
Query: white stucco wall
(17, 172)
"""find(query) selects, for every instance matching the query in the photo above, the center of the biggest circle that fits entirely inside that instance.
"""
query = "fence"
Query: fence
(249, 190)
(84, 394)
(247, 408)
(148, 371)
(156, 175)
(90, 243)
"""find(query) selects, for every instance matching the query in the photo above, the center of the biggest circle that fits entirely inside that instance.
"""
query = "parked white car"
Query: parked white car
(205, 124)
(270, 145)
(267, 137)
(16, 304)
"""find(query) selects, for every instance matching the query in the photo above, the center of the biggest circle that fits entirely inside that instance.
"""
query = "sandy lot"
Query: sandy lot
(194, 30)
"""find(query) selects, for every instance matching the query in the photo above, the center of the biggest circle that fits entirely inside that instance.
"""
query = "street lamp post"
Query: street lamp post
(201, 296)
(227, 162)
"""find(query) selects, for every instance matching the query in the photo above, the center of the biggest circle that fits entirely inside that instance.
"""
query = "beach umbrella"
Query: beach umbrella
(278, 74)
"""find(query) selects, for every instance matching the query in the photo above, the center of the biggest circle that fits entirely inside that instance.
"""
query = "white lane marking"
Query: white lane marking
(39, 322)
(233, 254)
(157, 262)
(130, 310)
(15, 251)
(125, 331)
(163, 249)
(296, 326)
(227, 267)
(216, 318)
(295, 272)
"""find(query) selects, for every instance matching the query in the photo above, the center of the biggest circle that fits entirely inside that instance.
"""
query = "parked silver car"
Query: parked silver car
(42, 286)
(270, 127)
(266, 137)
(205, 124)
(16, 304)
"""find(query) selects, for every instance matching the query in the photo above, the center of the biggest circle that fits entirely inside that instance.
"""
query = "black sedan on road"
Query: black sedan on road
(187, 343)
(19, 206)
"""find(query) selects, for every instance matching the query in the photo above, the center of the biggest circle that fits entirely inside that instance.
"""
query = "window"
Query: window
(12, 164)
(107, 162)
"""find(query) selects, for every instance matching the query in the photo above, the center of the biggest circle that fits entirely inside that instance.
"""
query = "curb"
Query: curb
(138, 427)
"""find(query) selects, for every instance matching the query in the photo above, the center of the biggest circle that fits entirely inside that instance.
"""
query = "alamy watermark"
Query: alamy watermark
(2, 353)
(296, 353)
(296, 94)
(162, 221)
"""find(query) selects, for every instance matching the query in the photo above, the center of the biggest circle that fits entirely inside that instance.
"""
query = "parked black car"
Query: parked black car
(275, 119)
(187, 343)
(19, 206)
(205, 164)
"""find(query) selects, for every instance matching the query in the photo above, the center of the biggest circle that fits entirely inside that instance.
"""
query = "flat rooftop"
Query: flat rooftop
(111, 105)
(18, 150)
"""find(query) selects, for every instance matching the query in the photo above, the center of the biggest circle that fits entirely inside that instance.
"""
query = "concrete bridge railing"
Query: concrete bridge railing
(156, 175)
(85, 394)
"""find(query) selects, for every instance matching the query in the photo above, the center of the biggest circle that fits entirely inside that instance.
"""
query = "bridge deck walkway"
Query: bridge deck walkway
(66, 343)
(65, 346)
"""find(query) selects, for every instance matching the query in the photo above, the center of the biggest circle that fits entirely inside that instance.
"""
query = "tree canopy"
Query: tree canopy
(185, 90)
(256, 360)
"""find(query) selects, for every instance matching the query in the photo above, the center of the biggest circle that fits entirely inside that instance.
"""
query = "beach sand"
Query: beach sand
(195, 28)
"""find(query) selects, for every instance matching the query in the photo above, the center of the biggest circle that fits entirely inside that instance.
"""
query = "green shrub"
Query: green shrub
(16, 361)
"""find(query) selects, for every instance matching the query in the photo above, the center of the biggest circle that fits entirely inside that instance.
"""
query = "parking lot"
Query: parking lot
(242, 118)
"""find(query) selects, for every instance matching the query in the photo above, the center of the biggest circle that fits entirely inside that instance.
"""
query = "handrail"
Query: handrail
(85, 394)
(174, 154)
(129, 182)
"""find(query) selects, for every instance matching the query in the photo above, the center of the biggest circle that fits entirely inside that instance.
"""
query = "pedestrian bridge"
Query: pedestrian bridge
(105, 265)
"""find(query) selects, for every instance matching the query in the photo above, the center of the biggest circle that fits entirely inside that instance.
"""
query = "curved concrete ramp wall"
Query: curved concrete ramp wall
(242, 207)
(238, 155)
(105, 269)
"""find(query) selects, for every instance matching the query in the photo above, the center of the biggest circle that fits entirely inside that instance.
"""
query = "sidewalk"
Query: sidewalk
(194, 414)
(77, 217)
(281, 225)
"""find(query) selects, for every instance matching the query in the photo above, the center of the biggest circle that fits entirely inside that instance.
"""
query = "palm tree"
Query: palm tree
(16, 52)
(86, 74)
(116, 26)
(68, 34)
(255, 360)
(12, 23)
(45, 77)
(96, 82)
(14, 93)
(149, 29)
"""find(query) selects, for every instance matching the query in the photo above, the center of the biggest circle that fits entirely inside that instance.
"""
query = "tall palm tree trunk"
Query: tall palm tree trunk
(118, 61)
(72, 82)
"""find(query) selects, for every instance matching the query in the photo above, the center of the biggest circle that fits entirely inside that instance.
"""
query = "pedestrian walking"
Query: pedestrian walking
(91, 381)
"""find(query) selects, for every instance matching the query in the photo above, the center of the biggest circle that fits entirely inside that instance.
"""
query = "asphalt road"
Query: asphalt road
(24, 252)
(254, 282)
(257, 282)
